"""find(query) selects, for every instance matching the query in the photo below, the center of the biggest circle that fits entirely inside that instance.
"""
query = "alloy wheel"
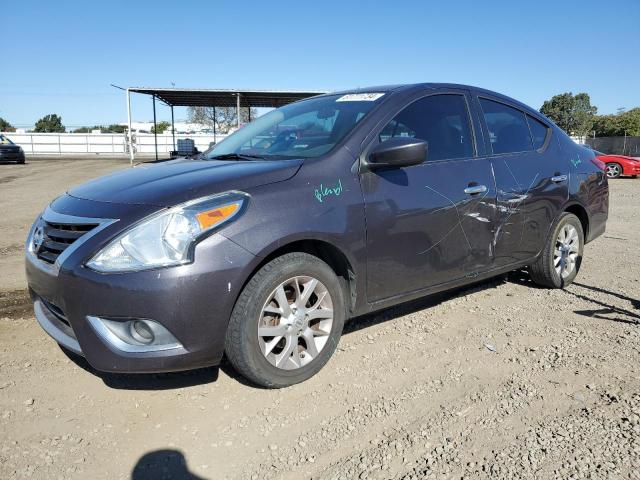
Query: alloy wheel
(295, 322)
(613, 170)
(566, 251)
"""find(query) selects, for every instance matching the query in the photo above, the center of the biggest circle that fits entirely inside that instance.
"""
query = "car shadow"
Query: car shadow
(173, 380)
(163, 464)
(607, 310)
(423, 303)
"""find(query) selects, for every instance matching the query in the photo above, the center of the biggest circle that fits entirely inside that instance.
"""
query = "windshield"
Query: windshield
(304, 129)
(5, 141)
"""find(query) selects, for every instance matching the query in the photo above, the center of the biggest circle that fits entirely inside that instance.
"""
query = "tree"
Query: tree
(115, 128)
(160, 127)
(51, 123)
(6, 126)
(224, 119)
(573, 113)
(87, 129)
(617, 125)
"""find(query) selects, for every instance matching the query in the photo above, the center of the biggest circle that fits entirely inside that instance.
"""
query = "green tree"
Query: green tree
(115, 128)
(6, 126)
(573, 113)
(616, 125)
(630, 122)
(51, 123)
(160, 127)
(86, 129)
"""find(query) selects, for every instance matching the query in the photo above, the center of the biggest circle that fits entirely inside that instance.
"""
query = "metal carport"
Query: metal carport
(208, 97)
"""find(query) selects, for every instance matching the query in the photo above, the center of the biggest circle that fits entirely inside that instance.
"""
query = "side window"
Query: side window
(539, 131)
(441, 120)
(508, 129)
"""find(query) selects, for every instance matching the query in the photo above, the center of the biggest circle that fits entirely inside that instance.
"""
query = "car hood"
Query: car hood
(170, 183)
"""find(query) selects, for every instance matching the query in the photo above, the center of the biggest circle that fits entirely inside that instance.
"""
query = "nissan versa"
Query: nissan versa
(316, 212)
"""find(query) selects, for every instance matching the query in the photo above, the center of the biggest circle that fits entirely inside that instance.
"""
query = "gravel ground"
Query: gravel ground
(498, 380)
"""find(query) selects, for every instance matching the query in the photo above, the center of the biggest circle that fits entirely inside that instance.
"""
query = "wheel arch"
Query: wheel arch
(581, 212)
(325, 251)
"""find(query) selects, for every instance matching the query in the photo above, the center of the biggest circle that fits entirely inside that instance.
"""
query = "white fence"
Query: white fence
(103, 143)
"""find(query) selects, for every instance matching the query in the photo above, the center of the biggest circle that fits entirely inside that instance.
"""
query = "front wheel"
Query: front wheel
(287, 321)
(614, 170)
(560, 260)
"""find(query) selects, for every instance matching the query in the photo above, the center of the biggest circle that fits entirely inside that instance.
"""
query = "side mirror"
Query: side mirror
(398, 152)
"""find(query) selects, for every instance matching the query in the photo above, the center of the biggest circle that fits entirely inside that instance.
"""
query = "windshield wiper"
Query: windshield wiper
(235, 156)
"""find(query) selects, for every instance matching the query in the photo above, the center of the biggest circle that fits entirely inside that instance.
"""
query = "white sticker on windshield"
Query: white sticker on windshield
(360, 97)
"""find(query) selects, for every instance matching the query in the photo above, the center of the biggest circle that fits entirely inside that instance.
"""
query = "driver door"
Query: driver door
(431, 223)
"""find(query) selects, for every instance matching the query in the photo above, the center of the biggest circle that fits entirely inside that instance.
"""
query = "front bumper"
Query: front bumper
(12, 156)
(193, 302)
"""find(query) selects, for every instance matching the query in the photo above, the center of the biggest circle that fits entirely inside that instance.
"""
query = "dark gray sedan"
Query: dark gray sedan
(9, 151)
(319, 211)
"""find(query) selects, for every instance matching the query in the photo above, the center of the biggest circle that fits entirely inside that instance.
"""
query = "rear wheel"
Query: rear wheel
(614, 170)
(287, 321)
(560, 260)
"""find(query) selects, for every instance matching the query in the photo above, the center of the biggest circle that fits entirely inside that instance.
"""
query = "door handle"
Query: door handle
(474, 190)
(558, 178)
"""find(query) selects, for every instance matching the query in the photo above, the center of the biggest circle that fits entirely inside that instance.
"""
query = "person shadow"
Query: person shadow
(163, 465)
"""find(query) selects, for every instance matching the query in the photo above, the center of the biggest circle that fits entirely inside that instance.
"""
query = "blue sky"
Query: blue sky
(60, 57)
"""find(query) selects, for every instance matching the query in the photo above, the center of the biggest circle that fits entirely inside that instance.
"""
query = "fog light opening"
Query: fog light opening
(136, 335)
(141, 332)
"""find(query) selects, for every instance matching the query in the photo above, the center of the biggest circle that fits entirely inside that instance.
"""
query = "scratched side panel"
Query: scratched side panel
(528, 201)
(423, 229)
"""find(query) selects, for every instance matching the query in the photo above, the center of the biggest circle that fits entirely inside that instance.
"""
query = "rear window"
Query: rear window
(539, 132)
(508, 129)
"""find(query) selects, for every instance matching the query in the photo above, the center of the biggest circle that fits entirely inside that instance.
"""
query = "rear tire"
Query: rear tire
(274, 300)
(561, 257)
(614, 170)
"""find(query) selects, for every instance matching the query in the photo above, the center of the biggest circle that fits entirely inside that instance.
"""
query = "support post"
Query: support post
(155, 127)
(173, 130)
(238, 110)
(214, 124)
(129, 132)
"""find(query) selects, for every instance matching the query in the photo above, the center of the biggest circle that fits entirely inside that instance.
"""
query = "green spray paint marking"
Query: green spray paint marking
(321, 192)
(576, 161)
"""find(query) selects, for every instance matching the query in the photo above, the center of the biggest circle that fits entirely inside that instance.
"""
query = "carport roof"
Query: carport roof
(204, 97)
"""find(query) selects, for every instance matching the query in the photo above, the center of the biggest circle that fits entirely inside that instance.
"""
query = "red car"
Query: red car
(617, 165)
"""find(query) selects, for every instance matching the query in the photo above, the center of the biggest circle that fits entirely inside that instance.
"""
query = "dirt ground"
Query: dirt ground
(499, 380)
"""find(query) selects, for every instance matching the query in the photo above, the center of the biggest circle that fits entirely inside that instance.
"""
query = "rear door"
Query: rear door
(531, 178)
(431, 223)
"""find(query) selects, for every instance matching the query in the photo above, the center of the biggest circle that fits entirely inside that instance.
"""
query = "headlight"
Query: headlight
(167, 238)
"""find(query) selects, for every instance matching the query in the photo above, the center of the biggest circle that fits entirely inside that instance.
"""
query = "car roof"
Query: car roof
(437, 86)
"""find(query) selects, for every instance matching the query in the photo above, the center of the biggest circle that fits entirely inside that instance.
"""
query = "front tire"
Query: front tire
(287, 321)
(614, 170)
(561, 258)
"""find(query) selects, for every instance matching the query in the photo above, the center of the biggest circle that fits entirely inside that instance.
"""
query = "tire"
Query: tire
(614, 170)
(254, 355)
(544, 271)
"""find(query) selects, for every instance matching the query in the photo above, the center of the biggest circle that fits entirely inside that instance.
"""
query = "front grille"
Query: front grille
(57, 237)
